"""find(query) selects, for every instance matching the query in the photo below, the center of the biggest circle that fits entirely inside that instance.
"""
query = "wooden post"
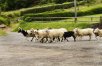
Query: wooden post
(75, 6)
(0, 10)
(100, 19)
(91, 19)
(75, 19)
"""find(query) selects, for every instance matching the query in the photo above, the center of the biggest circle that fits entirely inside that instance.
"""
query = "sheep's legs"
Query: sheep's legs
(96, 37)
(66, 39)
(50, 41)
(32, 39)
(26, 39)
(62, 38)
(74, 38)
(58, 39)
(46, 40)
(89, 38)
(41, 40)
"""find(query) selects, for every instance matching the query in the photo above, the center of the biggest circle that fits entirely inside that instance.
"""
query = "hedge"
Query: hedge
(63, 14)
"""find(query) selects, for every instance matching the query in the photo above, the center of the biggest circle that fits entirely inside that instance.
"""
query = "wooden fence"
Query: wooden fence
(70, 19)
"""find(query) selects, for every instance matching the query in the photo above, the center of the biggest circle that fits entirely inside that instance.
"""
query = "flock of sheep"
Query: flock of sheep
(61, 34)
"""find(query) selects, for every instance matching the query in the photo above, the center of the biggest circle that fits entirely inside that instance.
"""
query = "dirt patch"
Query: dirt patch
(97, 25)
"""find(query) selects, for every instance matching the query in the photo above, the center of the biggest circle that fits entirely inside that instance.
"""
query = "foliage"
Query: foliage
(16, 4)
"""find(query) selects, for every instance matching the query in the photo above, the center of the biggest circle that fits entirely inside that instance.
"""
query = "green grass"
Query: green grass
(4, 20)
(95, 15)
(2, 33)
(52, 24)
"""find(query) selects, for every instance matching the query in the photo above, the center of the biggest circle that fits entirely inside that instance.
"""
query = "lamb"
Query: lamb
(69, 34)
(26, 33)
(98, 32)
(83, 32)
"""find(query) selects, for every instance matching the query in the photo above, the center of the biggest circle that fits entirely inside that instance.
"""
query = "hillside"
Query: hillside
(51, 10)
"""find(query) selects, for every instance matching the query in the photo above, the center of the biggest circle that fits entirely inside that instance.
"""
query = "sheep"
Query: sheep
(41, 34)
(49, 34)
(83, 32)
(98, 32)
(56, 33)
(26, 33)
(69, 34)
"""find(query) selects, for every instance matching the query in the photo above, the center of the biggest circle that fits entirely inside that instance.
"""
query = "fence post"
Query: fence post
(91, 19)
(75, 19)
(100, 19)
(0, 11)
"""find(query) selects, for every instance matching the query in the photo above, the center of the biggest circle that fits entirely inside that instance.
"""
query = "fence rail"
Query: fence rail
(70, 19)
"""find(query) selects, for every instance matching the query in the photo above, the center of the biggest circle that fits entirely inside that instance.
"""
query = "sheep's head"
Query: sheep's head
(75, 30)
(96, 31)
(31, 31)
(19, 30)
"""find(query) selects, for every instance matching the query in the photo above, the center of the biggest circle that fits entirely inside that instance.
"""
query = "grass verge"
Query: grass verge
(52, 24)
(2, 33)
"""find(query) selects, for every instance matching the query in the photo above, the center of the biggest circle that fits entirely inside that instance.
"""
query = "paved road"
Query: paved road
(16, 51)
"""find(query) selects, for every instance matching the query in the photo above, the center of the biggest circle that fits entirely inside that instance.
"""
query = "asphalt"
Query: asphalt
(15, 50)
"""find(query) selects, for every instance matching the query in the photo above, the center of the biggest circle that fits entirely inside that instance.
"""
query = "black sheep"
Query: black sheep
(69, 34)
(25, 33)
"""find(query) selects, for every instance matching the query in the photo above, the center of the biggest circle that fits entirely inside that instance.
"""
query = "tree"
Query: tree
(16, 4)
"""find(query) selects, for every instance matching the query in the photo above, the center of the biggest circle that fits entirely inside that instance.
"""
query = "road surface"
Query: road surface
(15, 50)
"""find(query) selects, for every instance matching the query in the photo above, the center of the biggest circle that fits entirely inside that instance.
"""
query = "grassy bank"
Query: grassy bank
(52, 24)
(2, 33)
(4, 20)
(83, 11)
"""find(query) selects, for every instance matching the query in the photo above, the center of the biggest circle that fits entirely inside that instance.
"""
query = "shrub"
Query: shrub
(65, 14)
(47, 8)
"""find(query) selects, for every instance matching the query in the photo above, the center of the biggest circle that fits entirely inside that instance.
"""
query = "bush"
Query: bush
(8, 5)
(47, 8)
(65, 14)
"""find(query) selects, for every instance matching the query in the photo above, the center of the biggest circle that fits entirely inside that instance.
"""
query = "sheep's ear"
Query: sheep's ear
(37, 29)
(97, 28)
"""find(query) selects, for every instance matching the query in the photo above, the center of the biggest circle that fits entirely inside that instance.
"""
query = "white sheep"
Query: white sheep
(40, 34)
(83, 32)
(98, 32)
(49, 34)
(56, 33)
